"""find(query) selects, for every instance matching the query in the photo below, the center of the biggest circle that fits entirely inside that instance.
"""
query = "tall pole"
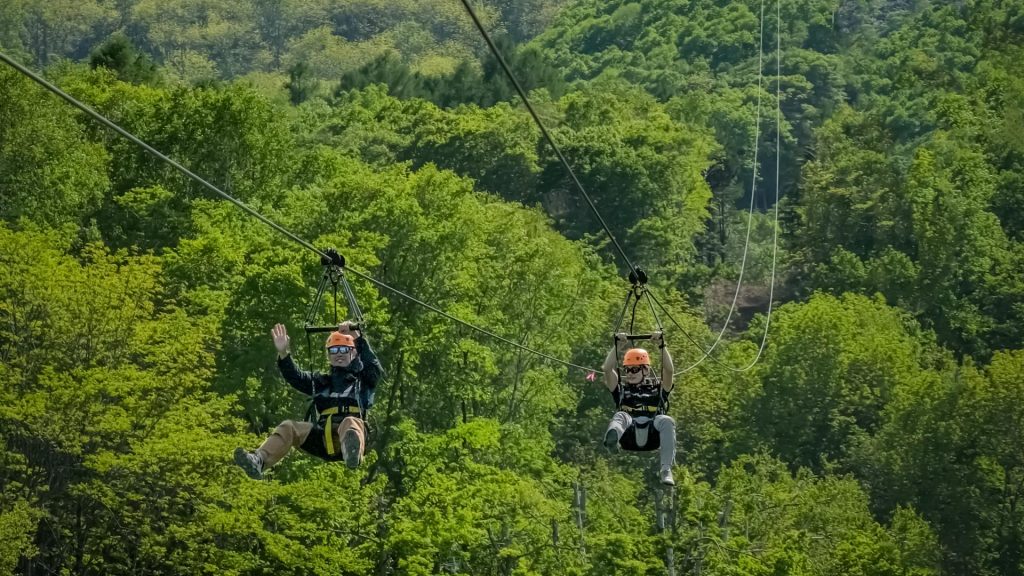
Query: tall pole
(664, 519)
(580, 493)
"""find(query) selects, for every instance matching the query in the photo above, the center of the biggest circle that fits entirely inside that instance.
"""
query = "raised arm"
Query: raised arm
(371, 372)
(299, 379)
(667, 367)
(610, 367)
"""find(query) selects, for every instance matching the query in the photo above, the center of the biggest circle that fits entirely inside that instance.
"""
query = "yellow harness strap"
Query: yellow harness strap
(329, 429)
(645, 409)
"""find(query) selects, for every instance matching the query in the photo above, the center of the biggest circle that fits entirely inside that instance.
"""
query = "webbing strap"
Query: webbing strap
(353, 306)
(328, 430)
(329, 424)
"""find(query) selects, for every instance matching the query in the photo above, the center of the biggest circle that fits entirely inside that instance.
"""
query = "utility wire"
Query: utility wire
(252, 212)
(544, 131)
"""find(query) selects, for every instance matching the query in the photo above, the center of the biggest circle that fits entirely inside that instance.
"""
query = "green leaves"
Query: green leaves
(128, 377)
(761, 519)
(50, 172)
(832, 367)
(945, 448)
(642, 170)
(466, 503)
(17, 524)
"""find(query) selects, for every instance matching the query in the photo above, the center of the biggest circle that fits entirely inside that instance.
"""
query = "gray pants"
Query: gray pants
(665, 426)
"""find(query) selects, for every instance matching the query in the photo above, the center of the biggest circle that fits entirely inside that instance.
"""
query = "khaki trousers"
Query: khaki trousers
(291, 434)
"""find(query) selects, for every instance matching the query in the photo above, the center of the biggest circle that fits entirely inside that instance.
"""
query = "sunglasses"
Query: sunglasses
(338, 349)
(634, 369)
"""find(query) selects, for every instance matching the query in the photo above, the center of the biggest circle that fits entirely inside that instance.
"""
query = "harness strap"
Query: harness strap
(328, 431)
(647, 409)
(329, 428)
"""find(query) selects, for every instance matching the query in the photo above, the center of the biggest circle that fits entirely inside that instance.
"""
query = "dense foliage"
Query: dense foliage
(878, 433)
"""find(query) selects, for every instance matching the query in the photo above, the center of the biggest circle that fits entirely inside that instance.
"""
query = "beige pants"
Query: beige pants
(291, 434)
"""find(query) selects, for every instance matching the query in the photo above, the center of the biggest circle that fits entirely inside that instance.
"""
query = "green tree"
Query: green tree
(50, 171)
(642, 170)
(761, 519)
(300, 85)
(134, 474)
(118, 54)
(226, 33)
(466, 506)
(831, 367)
(234, 137)
(948, 446)
(17, 524)
(63, 27)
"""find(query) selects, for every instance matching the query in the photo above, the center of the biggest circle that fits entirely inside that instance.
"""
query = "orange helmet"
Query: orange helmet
(339, 339)
(636, 357)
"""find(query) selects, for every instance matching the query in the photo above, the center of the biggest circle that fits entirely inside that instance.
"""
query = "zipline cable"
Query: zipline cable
(252, 212)
(436, 310)
(103, 120)
(677, 325)
(547, 136)
(544, 131)
(657, 321)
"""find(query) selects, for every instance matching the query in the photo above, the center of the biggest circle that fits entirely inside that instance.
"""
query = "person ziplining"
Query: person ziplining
(640, 422)
(341, 399)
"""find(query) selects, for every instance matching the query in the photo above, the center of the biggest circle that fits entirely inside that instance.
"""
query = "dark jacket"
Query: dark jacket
(347, 389)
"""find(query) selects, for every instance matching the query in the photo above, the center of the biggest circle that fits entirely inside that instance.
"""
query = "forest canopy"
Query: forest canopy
(875, 431)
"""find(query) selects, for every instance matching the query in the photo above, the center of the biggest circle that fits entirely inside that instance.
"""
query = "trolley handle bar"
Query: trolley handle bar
(325, 329)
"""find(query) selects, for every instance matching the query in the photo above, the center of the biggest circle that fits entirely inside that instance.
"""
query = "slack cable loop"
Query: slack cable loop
(757, 125)
(775, 229)
(753, 192)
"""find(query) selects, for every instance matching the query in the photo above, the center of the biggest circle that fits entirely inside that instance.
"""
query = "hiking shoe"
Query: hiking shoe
(250, 462)
(350, 448)
(666, 477)
(611, 440)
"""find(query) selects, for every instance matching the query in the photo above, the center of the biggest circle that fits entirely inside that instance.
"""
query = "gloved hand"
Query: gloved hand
(658, 337)
(348, 327)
